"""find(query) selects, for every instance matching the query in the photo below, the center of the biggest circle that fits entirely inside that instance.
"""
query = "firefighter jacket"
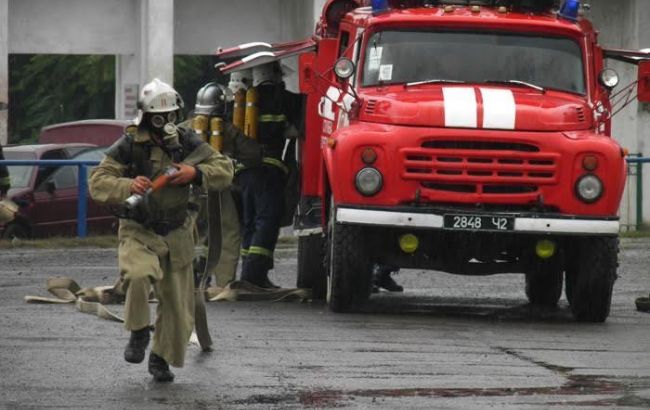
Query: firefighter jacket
(5, 182)
(280, 113)
(135, 154)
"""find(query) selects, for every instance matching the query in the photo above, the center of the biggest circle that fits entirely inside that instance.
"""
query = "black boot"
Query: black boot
(382, 279)
(134, 351)
(159, 369)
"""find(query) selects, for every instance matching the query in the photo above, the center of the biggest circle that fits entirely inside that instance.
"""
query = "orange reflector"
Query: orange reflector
(476, 9)
(449, 9)
(331, 142)
(590, 162)
(368, 156)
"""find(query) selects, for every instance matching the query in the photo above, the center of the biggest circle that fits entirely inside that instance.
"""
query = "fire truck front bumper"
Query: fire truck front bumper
(453, 220)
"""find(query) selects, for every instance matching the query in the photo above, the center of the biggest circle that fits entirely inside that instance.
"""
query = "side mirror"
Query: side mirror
(306, 74)
(644, 82)
(344, 68)
(50, 187)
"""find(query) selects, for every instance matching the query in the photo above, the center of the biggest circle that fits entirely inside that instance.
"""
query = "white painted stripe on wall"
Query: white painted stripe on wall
(499, 109)
(460, 107)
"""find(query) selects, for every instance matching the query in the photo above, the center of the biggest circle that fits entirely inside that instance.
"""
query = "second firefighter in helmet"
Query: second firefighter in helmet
(212, 110)
(263, 187)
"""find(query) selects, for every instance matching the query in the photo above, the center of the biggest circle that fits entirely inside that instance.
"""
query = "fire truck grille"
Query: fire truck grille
(492, 168)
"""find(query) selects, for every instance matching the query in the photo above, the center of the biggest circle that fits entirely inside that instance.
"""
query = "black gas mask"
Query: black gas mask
(156, 121)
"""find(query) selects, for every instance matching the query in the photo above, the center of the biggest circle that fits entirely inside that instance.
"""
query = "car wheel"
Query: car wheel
(15, 230)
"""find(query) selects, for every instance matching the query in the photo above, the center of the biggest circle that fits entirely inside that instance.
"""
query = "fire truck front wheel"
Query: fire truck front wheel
(349, 281)
(592, 281)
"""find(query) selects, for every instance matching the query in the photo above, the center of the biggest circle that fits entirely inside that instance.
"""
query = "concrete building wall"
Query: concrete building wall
(73, 26)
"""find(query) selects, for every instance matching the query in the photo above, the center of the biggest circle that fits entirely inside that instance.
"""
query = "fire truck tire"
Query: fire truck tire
(544, 283)
(311, 270)
(349, 281)
(593, 284)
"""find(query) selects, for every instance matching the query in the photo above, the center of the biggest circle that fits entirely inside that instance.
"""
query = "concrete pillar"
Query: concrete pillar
(157, 41)
(4, 70)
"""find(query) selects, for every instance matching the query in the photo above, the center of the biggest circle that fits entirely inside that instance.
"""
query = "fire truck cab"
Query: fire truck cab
(470, 137)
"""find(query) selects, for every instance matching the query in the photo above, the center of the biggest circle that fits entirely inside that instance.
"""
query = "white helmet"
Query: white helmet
(158, 96)
(240, 80)
(270, 72)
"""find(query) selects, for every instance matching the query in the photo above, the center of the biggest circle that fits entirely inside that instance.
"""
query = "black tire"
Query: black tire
(544, 282)
(593, 284)
(311, 269)
(349, 281)
(15, 230)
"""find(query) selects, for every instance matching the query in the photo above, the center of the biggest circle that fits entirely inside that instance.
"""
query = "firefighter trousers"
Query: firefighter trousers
(225, 270)
(263, 207)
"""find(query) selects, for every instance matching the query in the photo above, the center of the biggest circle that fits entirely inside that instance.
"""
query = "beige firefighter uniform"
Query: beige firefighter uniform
(158, 252)
(246, 153)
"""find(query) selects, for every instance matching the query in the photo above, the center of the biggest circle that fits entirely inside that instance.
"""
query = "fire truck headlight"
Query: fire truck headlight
(369, 181)
(609, 78)
(589, 188)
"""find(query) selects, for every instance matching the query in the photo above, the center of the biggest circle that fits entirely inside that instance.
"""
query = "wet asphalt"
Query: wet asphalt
(449, 342)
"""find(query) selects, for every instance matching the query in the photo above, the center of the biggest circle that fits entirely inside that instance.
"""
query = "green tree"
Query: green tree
(48, 89)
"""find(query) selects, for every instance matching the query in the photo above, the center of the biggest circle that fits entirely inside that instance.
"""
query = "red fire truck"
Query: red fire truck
(469, 136)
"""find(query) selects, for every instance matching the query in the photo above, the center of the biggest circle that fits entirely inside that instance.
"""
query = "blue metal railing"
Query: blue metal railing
(82, 184)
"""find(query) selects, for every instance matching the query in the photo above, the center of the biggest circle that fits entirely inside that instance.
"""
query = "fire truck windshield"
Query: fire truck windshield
(416, 57)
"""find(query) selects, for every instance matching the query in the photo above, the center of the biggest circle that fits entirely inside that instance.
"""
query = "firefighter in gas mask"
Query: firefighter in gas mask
(211, 122)
(156, 245)
(269, 120)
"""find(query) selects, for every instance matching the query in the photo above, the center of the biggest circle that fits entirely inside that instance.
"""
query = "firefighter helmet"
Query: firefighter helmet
(159, 97)
(240, 80)
(269, 72)
(211, 99)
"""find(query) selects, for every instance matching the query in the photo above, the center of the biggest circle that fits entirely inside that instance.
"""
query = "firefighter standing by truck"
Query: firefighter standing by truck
(210, 122)
(156, 235)
(270, 109)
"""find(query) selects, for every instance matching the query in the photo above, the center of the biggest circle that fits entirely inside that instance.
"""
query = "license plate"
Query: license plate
(478, 223)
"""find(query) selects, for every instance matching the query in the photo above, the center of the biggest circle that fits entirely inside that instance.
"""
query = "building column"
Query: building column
(157, 41)
(4, 70)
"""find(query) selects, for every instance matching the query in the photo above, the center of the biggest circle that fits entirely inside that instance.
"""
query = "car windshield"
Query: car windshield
(21, 175)
(400, 56)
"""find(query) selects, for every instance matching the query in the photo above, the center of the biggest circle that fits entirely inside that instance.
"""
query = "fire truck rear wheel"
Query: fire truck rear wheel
(591, 288)
(311, 271)
(349, 281)
(544, 282)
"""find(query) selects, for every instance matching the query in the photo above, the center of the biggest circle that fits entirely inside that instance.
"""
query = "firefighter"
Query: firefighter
(268, 121)
(5, 181)
(156, 244)
(210, 119)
